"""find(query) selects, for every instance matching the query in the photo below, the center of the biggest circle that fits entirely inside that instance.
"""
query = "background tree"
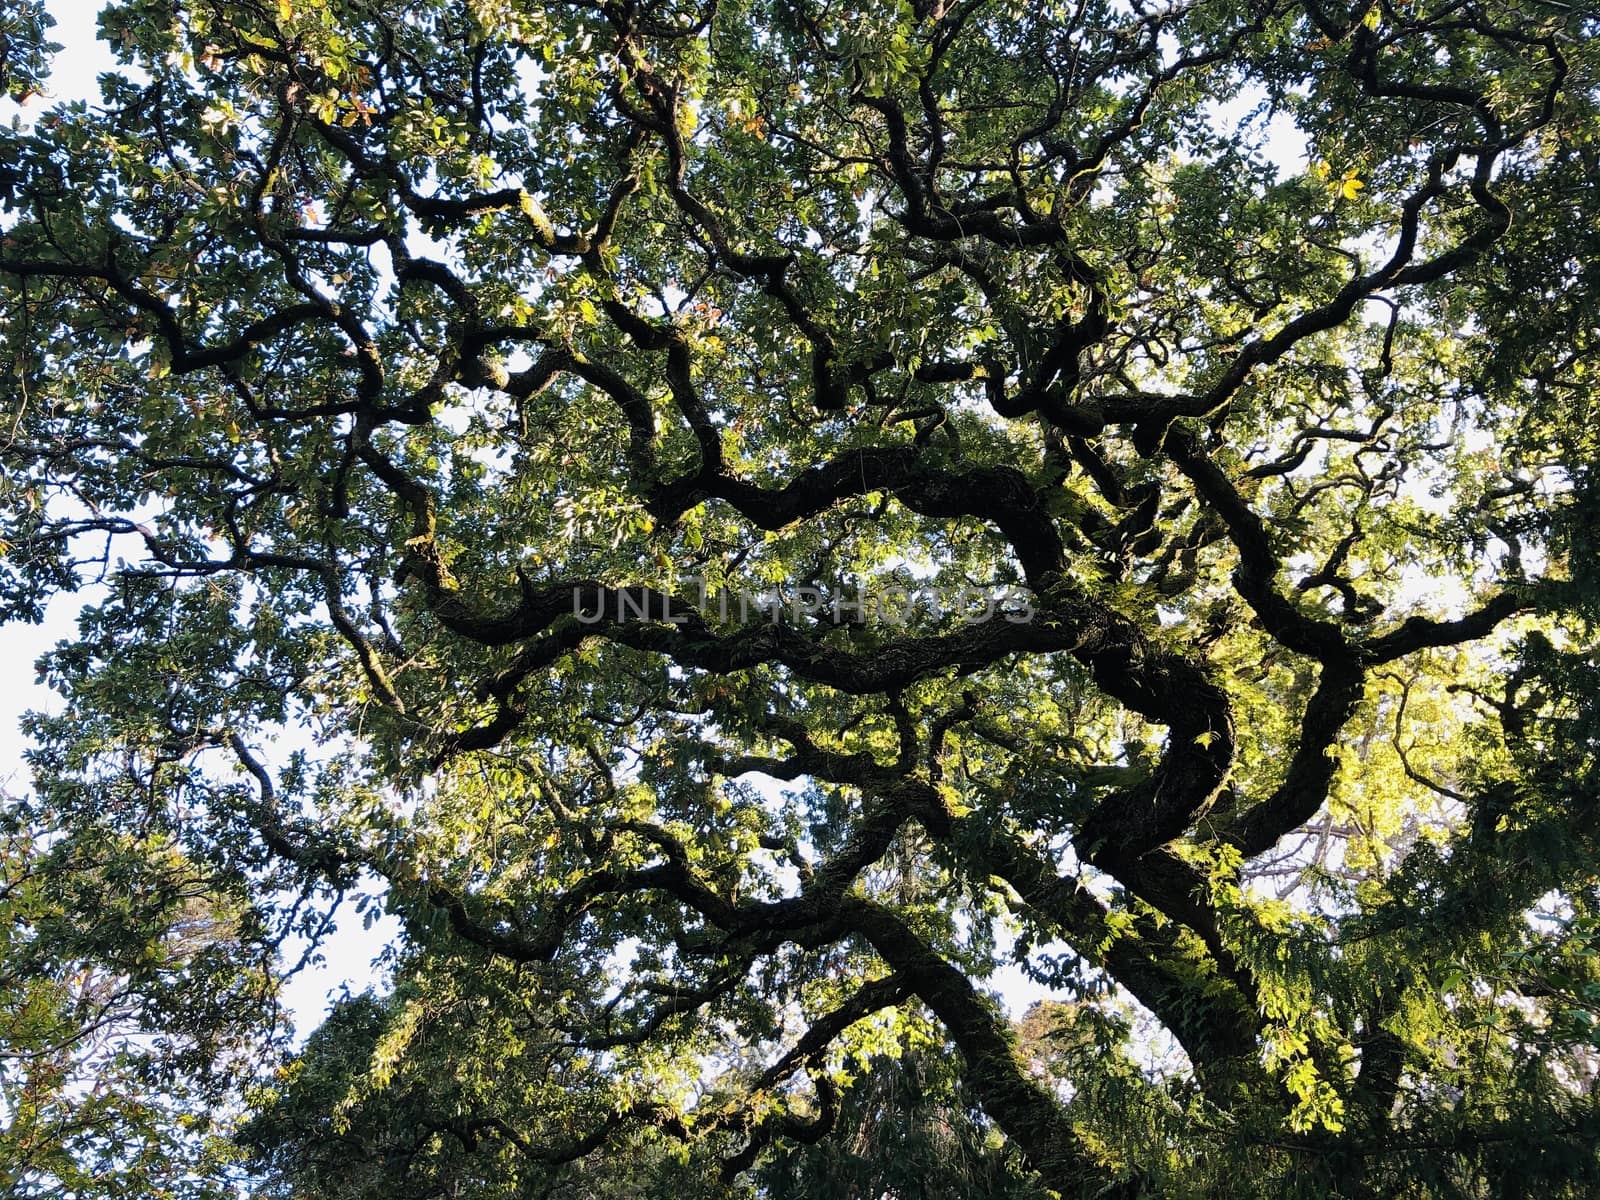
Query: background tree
(109, 1086)
(397, 375)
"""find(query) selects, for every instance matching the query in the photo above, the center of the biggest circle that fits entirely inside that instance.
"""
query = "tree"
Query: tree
(90, 1103)
(402, 387)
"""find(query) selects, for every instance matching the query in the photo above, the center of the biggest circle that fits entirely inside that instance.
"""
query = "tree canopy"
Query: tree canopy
(1161, 440)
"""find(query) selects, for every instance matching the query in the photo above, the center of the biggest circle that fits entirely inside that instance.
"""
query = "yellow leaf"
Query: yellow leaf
(1349, 186)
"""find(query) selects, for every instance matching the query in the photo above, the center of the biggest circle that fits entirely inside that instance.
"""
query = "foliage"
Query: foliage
(399, 386)
(23, 49)
(107, 1087)
(905, 1129)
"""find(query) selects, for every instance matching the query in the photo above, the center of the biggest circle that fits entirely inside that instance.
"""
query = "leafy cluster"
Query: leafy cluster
(398, 386)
